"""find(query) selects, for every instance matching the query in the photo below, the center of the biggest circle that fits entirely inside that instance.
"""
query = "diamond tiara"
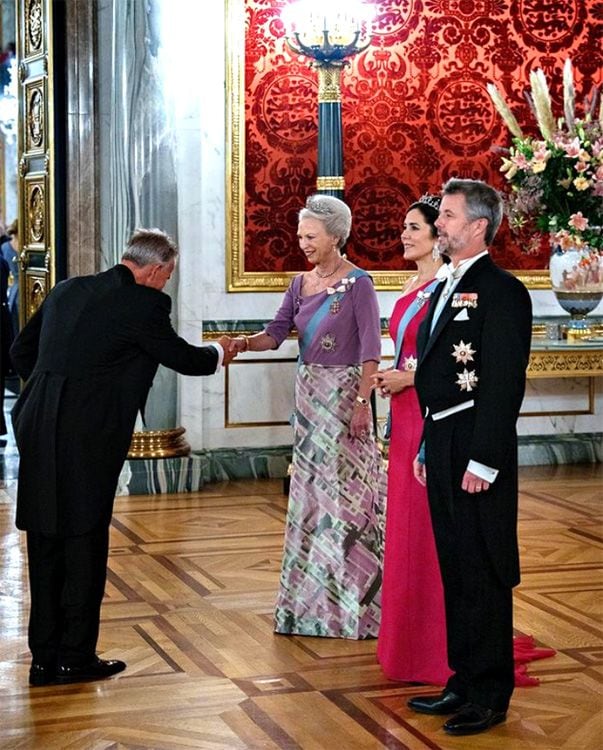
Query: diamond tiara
(431, 200)
(318, 205)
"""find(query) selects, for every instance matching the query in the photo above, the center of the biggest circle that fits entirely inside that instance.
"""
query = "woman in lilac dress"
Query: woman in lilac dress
(331, 571)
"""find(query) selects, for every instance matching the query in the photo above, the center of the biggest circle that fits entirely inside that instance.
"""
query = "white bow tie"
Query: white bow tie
(448, 274)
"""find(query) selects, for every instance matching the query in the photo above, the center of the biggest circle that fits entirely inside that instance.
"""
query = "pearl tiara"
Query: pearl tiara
(433, 201)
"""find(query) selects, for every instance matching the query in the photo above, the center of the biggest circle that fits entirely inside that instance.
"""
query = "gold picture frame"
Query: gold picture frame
(238, 279)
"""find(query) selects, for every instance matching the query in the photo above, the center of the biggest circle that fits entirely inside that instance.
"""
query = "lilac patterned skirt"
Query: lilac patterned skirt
(331, 572)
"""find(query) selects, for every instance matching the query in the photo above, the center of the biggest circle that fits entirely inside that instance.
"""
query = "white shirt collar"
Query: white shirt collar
(447, 273)
(465, 265)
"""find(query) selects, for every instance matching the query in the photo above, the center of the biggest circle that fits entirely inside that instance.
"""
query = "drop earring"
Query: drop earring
(435, 251)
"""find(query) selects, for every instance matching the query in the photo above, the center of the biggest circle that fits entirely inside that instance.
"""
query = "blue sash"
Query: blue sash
(409, 314)
(321, 313)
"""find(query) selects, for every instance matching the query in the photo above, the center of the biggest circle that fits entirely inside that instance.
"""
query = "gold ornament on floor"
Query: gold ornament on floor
(159, 444)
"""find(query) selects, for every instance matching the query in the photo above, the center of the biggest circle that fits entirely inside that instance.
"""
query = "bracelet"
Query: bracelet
(246, 340)
(362, 401)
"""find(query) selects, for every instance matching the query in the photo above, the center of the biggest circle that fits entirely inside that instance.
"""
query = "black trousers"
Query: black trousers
(67, 582)
(479, 607)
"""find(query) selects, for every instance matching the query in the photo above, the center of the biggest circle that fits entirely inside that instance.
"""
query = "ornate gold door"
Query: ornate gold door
(35, 154)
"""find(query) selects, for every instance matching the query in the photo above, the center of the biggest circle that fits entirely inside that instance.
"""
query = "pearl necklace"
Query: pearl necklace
(328, 275)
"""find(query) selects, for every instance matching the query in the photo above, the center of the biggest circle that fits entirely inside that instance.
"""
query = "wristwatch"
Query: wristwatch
(363, 401)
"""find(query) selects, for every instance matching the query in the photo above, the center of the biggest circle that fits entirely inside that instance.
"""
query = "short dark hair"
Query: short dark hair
(150, 246)
(482, 200)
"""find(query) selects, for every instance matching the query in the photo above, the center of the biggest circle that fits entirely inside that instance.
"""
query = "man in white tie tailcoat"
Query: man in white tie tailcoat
(474, 347)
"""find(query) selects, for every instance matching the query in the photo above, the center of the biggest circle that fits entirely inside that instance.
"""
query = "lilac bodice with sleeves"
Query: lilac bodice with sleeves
(348, 337)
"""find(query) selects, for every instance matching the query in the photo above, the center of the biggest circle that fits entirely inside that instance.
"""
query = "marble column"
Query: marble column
(138, 180)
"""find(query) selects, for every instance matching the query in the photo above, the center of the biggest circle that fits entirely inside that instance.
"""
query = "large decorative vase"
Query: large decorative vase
(577, 280)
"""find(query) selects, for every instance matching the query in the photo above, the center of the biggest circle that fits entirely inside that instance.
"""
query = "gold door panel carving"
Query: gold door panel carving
(35, 212)
(35, 130)
(35, 154)
(34, 18)
(35, 289)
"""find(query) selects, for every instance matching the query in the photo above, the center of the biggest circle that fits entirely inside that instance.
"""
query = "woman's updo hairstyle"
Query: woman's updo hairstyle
(332, 212)
(429, 206)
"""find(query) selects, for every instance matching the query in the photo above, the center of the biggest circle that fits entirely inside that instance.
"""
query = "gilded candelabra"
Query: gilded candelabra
(329, 37)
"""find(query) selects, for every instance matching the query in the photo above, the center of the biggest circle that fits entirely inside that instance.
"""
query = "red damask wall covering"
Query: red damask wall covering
(415, 112)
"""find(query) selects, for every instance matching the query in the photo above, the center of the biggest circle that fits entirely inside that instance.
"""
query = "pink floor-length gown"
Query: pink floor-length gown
(412, 636)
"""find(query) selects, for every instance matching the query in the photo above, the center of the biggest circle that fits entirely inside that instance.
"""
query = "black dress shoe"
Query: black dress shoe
(41, 674)
(473, 719)
(445, 703)
(97, 669)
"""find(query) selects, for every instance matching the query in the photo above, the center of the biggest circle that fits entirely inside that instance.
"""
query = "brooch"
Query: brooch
(343, 286)
(463, 352)
(422, 298)
(467, 380)
(464, 299)
(410, 363)
(328, 342)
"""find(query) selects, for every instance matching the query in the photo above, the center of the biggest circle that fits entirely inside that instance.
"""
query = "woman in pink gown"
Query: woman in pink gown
(412, 635)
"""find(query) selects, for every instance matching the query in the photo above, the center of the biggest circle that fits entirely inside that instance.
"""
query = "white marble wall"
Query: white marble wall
(264, 393)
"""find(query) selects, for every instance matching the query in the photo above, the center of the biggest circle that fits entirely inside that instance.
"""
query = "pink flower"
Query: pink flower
(577, 221)
(598, 148)
(563, 239)
(571, 148)
(541, 153)
(520, 161)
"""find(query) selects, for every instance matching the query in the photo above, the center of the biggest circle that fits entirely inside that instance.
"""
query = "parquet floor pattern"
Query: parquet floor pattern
(191, 586)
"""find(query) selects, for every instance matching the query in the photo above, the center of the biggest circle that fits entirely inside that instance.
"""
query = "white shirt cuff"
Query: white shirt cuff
(220, 350)
(487, 473)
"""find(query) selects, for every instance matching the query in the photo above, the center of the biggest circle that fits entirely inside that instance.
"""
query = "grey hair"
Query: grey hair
(148, 247)
(332, 212)
(482, 200)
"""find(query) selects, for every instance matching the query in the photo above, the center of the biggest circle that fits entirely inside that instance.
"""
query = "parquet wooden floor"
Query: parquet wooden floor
(192, 580)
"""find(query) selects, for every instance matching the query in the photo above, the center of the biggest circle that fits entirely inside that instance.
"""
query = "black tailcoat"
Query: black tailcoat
(498, 330)
(89, 356)
(479, 351)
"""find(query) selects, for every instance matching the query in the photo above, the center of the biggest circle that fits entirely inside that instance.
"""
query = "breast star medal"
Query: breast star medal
(467, 380)
(463, 352)
(328, 342)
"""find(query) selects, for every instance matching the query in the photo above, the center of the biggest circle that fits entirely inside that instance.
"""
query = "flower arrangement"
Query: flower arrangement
(556, 180)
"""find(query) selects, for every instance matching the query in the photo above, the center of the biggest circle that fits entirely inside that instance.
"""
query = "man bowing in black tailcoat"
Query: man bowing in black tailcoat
(88, 356)
(474, 347)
